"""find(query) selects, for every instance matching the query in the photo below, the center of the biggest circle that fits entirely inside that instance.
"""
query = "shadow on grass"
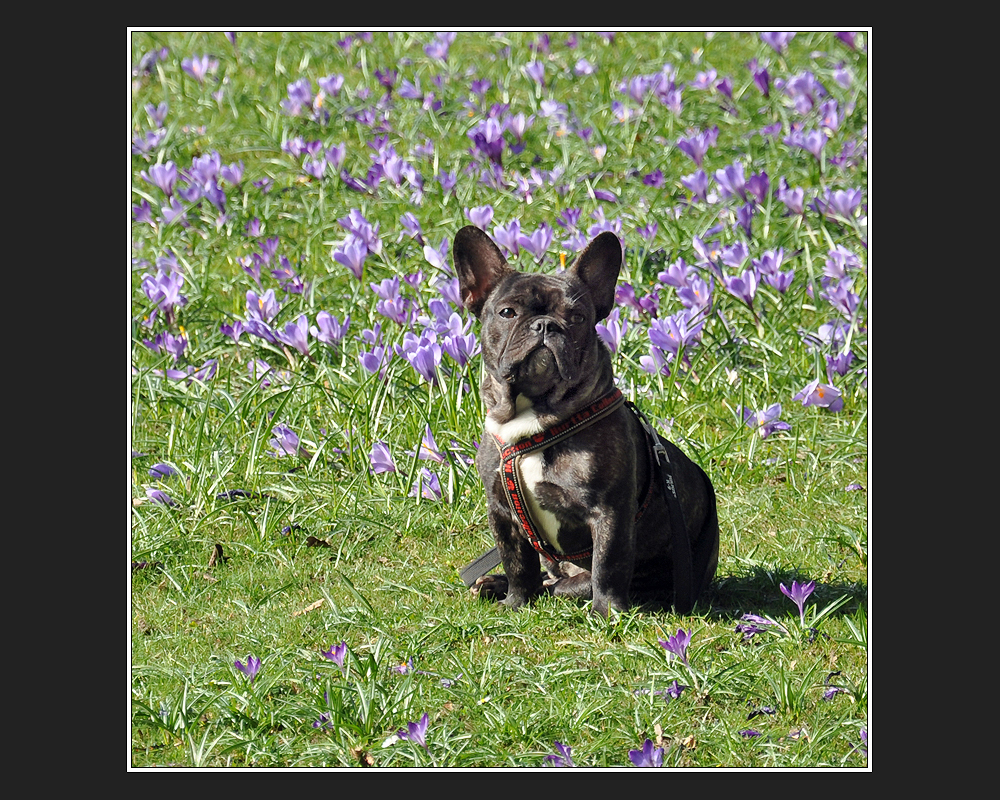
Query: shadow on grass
(758, 592)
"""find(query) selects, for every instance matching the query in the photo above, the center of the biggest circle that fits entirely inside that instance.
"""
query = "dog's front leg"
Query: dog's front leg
(522, 578)
(613, 562)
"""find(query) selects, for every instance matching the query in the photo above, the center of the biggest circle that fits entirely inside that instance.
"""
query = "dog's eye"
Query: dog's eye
(508, 313)
(576, 319)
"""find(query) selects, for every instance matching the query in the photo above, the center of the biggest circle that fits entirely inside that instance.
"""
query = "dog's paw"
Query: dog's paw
(578, 585)
(490, 587)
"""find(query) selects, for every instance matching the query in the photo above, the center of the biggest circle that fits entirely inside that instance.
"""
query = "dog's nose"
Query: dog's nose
(545, 326)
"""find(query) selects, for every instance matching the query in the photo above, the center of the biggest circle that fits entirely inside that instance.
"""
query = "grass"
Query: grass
(282, 558)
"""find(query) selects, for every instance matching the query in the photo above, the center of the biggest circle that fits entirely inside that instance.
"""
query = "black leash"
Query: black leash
(681, 541)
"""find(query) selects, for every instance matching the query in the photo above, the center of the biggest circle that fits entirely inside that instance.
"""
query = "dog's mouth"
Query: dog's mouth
(541, 368)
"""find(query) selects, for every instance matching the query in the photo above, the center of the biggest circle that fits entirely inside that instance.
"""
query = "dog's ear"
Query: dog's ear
(598, 267)
(480, 266)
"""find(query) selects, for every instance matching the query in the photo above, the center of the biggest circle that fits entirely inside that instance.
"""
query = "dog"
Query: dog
(571, 471)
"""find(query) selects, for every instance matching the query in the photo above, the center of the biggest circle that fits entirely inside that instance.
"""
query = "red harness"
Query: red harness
(510, 455)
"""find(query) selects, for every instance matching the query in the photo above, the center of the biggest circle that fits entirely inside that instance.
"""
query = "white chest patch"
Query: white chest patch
(531, 475)
(525, 423)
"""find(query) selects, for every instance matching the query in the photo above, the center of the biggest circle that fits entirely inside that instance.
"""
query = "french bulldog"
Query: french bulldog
(588, 507)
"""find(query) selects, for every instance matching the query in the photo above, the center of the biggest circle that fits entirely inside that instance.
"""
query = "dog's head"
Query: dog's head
(538, 334)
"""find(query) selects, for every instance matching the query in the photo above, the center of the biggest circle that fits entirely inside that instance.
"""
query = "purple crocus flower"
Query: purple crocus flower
(798, 594)
(770, 261)
(439, 47)
(262, 307)
(299, 97)
(656, 363)
(480, 216)
(793, 198)
(250, 669)
(336, 654)
(316, 167)
(167, 343)
(674, 690)
(157, 114)
(396, 307)
(427, 485)
(781, 281)
(777, 39)
(352, 254)
(696, 295)
(404, 668)
(536, 71)
(205, 372)
(355, 223)
(487, 136)
(173, 211)
(428, 447)
(447, 181)
(676, 274)
(822, 395)
(411, 227)
(416, 731)
(563, 759)
(838, 204)
(838, 364)
(438, 256)
(752, 624)
(375, 360)
(423, 354)
(677, 645)
(758, 185)
(461, 347)
(612, 330)
(765, 422)
(198, 67)
(743, 287)
(387, 78)
(697, 184)
(761, 77)
(569, 218)
(704, 79)
(449, 290)
(143, 212)
(380, 458)
(285, 442)
(538, 242)
(506, 236)
(287, 277)
(649, 756)
(708, 254)
(296, 334)
(161, 471)
(164, 289)
(734, 255)
(696, 145)
(841, 297)
(731, 181)
(328, 328)
(680, 330)
(649, 231)
(160, 497)
(163, 176)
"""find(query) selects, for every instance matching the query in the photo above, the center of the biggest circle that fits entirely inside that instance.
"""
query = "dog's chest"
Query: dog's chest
(530, 468)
